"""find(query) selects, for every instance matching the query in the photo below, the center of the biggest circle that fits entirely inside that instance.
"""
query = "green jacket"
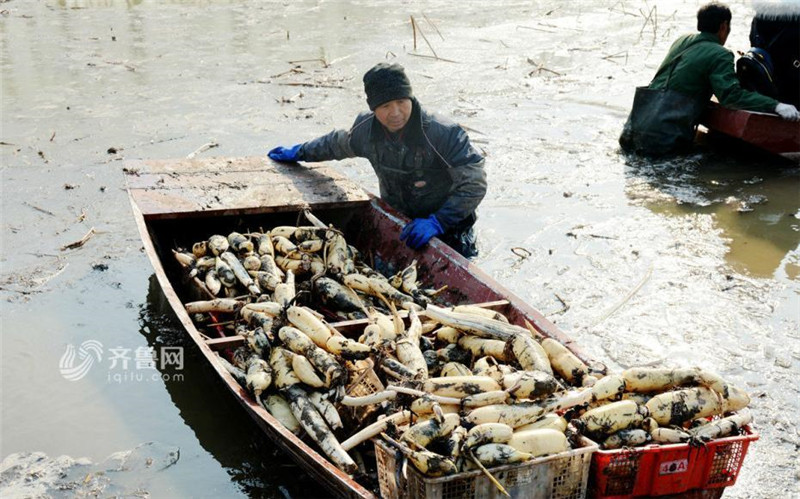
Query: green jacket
(706, 69)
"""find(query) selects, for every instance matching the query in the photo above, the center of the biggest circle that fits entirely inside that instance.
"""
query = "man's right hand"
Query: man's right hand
(288, 154)
(787, 112)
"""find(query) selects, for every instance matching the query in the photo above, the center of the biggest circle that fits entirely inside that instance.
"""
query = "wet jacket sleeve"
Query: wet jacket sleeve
(469, 178)
(333, 145)
(730, 93)
(336, 144)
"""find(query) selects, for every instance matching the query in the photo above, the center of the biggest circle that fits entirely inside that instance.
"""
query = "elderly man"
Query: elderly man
(664, 115)
(426, 167)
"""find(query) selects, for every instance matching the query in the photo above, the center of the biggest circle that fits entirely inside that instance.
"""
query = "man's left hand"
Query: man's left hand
(419, 231)
(286, 154)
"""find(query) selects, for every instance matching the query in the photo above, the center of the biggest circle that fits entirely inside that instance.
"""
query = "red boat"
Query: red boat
(767, 132)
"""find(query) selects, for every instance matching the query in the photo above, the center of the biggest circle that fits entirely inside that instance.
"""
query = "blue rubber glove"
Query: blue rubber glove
(288, 154)
(419, 231)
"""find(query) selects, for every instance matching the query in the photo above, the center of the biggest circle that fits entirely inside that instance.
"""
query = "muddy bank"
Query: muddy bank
(124, 473)
(694, 262)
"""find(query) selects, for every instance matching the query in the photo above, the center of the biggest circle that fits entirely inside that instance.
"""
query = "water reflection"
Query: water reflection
(755, 202)
(222, 427)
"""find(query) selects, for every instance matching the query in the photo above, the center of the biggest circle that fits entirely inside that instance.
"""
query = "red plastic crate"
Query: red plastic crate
(657, 470)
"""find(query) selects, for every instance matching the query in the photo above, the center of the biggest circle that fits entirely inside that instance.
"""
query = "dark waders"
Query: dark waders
(662, 121)
(463, 241)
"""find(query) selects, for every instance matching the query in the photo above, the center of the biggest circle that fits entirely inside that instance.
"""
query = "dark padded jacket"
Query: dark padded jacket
(431, 169)
(780, 36)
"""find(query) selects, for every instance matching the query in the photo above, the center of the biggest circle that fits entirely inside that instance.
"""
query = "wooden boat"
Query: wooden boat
(177, 202)
(767, 132)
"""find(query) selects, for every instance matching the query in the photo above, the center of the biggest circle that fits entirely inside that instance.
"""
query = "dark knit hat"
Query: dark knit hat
(385, 82)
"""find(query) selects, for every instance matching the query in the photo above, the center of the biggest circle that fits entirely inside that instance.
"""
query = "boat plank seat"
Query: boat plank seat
(218, 344)
(235, 341)
(201, 187)
(343, 326)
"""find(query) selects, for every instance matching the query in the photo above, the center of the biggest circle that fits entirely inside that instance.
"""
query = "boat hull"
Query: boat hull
(767, 132)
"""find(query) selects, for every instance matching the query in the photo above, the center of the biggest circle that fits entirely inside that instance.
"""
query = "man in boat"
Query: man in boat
(665, 113)
(776, 30)
(426, 167)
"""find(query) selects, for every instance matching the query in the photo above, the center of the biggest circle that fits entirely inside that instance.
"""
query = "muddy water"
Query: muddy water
(688, 262)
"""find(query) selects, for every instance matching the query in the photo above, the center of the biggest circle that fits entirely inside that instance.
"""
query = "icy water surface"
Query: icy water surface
(687, 262)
